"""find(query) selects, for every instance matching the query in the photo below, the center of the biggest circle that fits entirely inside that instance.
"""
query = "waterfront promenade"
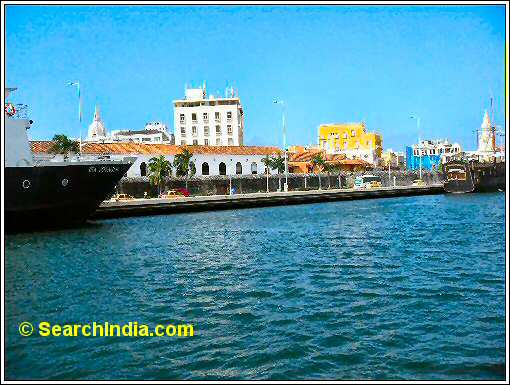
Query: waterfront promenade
(139, 207)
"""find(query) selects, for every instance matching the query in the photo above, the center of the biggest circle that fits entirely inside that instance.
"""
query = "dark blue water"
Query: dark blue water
(403, 288)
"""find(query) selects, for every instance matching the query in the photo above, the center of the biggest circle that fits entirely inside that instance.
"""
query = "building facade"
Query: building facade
(395, 159)
(153, 132)
(208, 160)
(208, 121)
(352, 140)
(301, 161)
(430, 153)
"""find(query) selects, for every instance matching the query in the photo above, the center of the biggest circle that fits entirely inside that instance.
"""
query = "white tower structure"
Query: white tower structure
(97, 130)
(213, 121)
(486, 140)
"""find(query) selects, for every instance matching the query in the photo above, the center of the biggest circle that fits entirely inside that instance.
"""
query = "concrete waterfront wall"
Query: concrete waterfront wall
(138, 207)
(219, 185)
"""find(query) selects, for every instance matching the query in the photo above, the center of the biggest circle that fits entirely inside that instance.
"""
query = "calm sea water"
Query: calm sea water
(403, 288)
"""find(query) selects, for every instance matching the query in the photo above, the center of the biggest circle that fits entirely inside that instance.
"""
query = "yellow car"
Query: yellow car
(367, 181)
(419, 183)
(122, 197)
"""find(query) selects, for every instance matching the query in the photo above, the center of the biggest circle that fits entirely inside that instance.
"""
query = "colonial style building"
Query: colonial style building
(208, 160)
(351, 140)
(213, 121)
(300, 161)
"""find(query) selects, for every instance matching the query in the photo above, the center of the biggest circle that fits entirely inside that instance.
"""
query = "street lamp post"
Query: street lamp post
(286, 185)
(419, 137)
(77, 85)
(389, 170)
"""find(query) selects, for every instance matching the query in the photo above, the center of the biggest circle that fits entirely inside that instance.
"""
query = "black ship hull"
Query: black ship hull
(60, 195)
(464, 177)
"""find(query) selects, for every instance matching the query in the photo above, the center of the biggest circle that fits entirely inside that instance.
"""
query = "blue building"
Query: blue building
(433, 152)
(428, 162)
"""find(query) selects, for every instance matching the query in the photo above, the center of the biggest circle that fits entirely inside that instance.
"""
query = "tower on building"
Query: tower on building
(97, 129)
(486, 140)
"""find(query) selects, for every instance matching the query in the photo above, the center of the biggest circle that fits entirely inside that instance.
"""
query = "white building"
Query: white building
(208, 160)
(438, 151)
(154, 132)
(202, 120)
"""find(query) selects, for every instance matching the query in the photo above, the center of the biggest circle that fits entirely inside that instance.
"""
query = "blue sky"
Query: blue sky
(329, 64)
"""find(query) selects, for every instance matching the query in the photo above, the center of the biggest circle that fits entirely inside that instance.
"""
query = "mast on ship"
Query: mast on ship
(493, 126)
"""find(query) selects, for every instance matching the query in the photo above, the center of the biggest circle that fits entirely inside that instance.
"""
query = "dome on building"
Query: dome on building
(96, 128)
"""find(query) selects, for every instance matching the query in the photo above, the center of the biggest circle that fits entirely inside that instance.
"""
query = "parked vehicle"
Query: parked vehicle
(122, 197)
(367, 182)
(171, 194)
(419, 183)
(183, 191)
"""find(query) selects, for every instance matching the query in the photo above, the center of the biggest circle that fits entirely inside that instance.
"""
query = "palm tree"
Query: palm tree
(335, 169)
(318, 165)
(159, 169)
(268, 162)
(328, 168)
(64, 146)
(183, 165)
(278, 164)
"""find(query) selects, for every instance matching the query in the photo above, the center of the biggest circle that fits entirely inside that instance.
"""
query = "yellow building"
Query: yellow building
(351, 139)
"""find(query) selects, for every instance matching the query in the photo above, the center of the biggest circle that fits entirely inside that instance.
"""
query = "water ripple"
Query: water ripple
(389, 289)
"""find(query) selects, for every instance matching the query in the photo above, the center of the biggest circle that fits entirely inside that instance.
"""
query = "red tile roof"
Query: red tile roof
(41, 147)
(159, 149)
(354, 162)
(307, 156)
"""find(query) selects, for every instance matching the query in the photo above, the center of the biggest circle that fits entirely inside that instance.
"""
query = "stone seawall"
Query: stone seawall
(220, 185)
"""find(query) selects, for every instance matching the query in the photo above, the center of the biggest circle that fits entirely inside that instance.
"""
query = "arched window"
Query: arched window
(143, 169)
(254, 168)
(223, 169)
(239, 168)
(205, 168)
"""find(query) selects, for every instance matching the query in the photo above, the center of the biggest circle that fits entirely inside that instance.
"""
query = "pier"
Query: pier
(140, 207)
